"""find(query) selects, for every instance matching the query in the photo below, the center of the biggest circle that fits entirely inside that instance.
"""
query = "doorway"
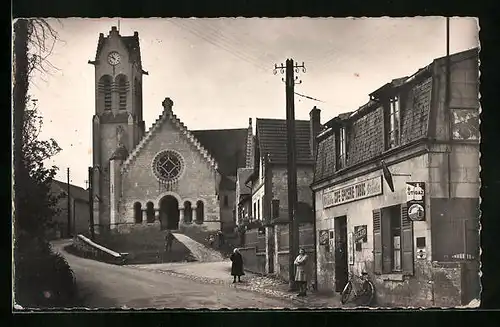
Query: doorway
(169, 213)
(341, 265)
(271, 245)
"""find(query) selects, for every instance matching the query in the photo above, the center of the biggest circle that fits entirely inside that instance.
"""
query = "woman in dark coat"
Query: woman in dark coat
(237, 265)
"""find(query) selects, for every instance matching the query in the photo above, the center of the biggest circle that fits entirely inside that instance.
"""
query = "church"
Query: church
(167, 175)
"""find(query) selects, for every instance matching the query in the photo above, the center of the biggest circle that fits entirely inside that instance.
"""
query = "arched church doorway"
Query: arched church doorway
(169, 213)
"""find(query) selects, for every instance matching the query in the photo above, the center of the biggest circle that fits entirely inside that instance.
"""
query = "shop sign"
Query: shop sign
(353, 192)
(360, 233)
(415, 200)
(323, 237)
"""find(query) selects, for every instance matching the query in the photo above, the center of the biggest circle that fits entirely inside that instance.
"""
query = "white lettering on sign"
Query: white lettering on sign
(357, 191)
(414, 192)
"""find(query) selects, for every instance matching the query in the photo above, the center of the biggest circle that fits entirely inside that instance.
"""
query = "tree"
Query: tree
(34, 199)
(34, 40)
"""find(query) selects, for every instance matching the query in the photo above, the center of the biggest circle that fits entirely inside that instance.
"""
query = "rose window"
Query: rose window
(168, 166)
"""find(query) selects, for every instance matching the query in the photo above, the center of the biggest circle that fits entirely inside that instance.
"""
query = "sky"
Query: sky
(219, 72)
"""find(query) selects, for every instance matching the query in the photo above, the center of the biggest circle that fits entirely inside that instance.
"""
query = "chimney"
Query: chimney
(314, 129)
(250, 146)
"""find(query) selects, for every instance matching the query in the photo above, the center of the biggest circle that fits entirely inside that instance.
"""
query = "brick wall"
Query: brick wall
(196, 183)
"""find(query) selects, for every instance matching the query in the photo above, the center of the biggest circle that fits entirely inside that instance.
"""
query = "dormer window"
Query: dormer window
(393, 128)
(342, 152)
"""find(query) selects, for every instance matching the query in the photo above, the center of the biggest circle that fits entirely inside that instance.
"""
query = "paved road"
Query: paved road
(108, 286)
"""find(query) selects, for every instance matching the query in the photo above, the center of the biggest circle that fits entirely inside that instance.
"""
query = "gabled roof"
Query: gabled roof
(227, 146)
(75, 192)
(168, 115)
(131, 43)
(272, 141)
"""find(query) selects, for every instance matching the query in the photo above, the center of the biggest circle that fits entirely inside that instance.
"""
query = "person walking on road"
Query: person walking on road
(300, 272)
(169, 239)
(237, 265)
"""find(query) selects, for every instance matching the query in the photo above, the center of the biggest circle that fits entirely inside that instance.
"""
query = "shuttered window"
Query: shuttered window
(406, 242)
(377, 241)
(393, 241)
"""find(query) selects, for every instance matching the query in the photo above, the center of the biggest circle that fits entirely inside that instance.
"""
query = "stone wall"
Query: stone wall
(280, 187)
(306, 241)
(88, 249)
(253, 261)
(197, 181)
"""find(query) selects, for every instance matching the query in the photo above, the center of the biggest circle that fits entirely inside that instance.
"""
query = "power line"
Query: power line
(255, 46)
(223, 47)
(308, 97)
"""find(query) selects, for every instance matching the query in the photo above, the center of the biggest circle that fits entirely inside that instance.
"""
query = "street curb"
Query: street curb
(270, 293)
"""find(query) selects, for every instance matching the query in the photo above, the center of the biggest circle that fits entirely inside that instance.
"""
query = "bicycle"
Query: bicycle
(358, 289)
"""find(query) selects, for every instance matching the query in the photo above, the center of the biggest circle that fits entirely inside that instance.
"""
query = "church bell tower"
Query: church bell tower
(117, 125)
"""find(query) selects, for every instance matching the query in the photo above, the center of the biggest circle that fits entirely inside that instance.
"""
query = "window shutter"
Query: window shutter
(386, 243)
(406, 242)
(377, 242)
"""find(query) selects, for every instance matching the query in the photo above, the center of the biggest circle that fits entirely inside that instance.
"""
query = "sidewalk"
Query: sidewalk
(220, 273)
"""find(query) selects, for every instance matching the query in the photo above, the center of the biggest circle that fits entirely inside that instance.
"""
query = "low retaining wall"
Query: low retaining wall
(89, 249)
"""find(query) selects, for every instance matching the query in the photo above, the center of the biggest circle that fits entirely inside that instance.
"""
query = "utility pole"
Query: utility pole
(69, 206)
(293, 228)
(91, 203)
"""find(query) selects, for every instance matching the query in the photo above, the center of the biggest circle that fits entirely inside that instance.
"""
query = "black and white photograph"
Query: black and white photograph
(246, 163)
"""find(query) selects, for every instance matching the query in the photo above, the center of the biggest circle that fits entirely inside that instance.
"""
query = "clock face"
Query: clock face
(114, 58)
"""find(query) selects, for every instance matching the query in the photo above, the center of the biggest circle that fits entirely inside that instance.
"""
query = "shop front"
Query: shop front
(364, 226)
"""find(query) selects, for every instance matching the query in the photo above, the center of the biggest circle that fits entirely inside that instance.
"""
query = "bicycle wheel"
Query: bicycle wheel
(346, 293)
(367, 293)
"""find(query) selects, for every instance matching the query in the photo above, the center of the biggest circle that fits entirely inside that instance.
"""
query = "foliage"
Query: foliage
(36, 205)
(43, 278)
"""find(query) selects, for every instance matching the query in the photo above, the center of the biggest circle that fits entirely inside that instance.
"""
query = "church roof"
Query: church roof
(227, 146)
(168, 115)
(271, 138)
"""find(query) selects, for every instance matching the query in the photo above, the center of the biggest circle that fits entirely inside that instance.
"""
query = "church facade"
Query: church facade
(167, 176)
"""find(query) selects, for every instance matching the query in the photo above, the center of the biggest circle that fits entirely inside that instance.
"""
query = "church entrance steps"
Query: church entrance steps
(199, 251)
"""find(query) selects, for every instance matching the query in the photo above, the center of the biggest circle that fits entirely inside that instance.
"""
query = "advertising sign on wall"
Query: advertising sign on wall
(350, 250)
(415, 200)
(334, 196)
(323, 237)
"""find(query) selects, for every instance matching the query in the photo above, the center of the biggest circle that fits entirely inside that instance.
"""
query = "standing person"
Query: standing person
(237, 265)
(300, 272)
(169, 239)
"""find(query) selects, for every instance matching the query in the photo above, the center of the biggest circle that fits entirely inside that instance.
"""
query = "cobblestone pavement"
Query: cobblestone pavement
(219, 273)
